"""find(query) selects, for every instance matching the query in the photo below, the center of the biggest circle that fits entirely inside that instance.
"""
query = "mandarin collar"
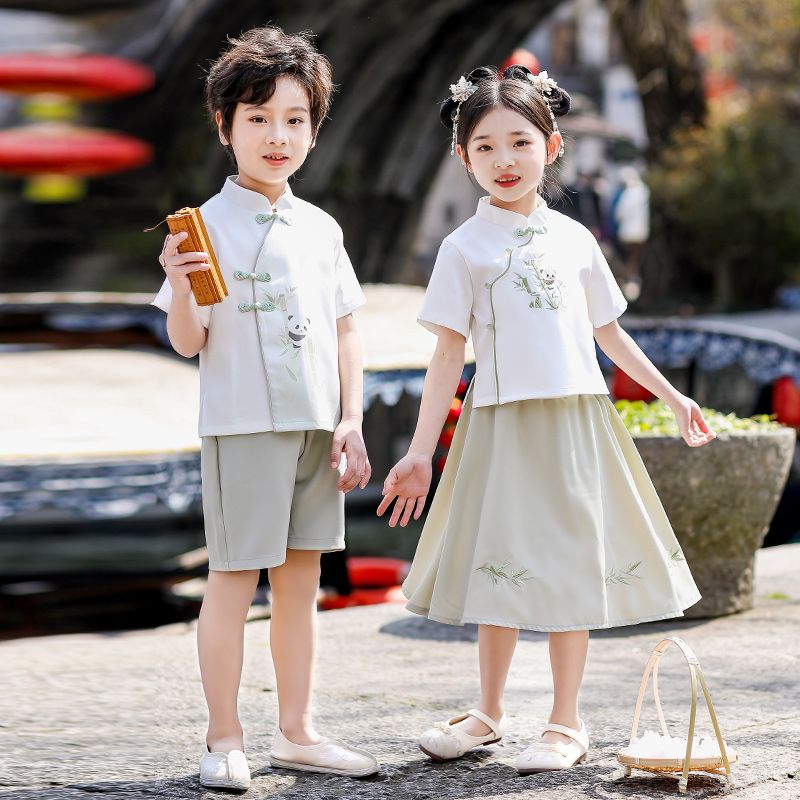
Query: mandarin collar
(255, 201)
(511, 219)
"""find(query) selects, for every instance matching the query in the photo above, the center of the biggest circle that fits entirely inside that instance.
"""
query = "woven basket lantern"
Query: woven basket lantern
(714, 764)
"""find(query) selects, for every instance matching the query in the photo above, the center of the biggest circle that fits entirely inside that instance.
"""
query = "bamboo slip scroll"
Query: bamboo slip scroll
(208, 286)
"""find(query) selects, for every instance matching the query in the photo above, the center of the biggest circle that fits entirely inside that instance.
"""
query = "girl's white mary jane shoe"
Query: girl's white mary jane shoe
(551, 756)
(444, 742)
(224, 770)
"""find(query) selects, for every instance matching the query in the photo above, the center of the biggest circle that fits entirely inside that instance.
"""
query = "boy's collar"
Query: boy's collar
(254, 201)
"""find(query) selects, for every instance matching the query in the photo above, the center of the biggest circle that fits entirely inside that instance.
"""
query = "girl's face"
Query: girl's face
(507, 154)
(271, 141)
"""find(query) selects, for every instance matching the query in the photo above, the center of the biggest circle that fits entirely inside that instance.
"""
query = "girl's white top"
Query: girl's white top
(271, 360)
(530, 290)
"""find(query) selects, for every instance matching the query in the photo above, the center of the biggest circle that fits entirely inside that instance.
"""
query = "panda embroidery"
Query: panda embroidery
(541, 284)
(298, 330)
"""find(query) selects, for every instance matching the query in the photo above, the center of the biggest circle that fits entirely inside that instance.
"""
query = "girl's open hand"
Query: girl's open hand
(408, 482)
(693, 427)
(179, 265)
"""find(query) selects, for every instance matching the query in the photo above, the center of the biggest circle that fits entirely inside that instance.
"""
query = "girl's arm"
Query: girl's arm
(409, 480)
(186, 333)
(348, 436)
(627, 355)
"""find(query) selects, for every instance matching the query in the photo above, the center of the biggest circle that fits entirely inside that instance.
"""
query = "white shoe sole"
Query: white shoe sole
(236, 787)
(536, 770)
(347, 773)
(453, 758)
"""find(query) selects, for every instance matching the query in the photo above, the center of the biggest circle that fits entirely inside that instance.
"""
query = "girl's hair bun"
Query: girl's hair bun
(559, 101)
(447, 112)
(480, 74)
(517, 72)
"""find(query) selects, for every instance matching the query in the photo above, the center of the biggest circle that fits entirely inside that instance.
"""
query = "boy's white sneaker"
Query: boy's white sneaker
(224, 770)
(329, 755)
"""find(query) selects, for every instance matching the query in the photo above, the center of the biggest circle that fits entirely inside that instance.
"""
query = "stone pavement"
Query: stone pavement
(122, 715)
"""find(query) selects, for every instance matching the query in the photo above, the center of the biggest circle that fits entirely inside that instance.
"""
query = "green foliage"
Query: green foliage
(731, 189)
(657, 419)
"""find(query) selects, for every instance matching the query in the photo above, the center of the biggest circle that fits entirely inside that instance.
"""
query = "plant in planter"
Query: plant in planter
(719, 498)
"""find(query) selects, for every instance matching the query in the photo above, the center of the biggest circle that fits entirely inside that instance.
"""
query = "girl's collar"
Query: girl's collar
(254, 201)
(511, 219)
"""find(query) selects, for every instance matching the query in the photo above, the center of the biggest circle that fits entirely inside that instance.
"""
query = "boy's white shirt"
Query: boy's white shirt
(531, 323)
(275, 366)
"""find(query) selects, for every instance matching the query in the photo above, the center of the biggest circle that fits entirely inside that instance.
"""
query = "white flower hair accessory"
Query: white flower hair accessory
(459, 92)
(545, 84)
(462, 90)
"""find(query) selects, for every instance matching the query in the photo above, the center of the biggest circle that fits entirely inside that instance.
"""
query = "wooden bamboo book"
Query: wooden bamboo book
(208, 286)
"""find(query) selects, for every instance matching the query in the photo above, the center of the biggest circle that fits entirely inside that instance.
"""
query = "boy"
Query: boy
(280, 395)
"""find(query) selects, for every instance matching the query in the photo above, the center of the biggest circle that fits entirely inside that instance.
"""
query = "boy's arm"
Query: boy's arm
(627, 355)
(187, 335)
(348, 437)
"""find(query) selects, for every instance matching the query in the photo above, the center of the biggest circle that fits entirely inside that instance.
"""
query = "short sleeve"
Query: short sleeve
(349, 295)
(163, 300)
(448, 298)
(604, 299)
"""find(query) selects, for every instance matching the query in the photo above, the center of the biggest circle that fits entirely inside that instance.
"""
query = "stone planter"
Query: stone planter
(720, 499)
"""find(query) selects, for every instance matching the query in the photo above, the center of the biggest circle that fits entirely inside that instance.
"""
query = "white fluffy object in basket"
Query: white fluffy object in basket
(656, 745)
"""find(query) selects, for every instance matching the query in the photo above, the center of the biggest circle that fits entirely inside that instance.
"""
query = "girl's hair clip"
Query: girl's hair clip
(543, 82)
(459, 92)
(462, 90)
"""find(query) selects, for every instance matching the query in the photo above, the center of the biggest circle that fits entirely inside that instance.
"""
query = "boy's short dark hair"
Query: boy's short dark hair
(246, 73)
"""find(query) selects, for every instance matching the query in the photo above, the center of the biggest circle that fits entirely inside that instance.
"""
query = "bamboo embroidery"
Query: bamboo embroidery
(623, 576)
(676, 555)
(530, 232)
(517, 576)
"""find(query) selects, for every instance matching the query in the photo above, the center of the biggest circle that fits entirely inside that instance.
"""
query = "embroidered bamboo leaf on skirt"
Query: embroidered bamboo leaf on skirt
(517, 576)
(676, 555)
(615, 576)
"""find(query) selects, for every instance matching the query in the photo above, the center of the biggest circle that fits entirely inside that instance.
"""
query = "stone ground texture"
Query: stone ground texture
(122, 715)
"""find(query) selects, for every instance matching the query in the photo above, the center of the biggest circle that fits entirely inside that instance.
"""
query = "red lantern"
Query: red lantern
(786, 401)
(524, 58)
(462, 388)
(68, 150)
(625, 388)
(83, 77)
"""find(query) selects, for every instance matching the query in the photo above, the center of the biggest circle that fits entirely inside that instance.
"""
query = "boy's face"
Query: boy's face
(271, 141)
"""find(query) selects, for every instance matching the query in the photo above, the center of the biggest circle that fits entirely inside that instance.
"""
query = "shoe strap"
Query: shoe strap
(578, 736)
(486, 720)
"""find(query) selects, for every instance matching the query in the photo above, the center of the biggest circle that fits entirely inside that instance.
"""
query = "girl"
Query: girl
(545, 518)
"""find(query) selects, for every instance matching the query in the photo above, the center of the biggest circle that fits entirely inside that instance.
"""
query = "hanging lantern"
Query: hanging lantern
(61, 149)
(55, 158)
(81, 77)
